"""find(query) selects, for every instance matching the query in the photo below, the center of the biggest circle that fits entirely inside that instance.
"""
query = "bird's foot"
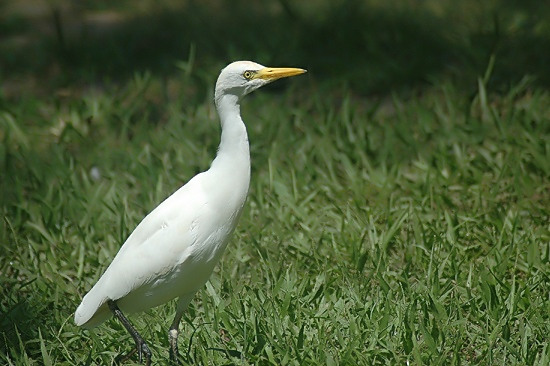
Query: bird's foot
(143, 350)
(174, 359)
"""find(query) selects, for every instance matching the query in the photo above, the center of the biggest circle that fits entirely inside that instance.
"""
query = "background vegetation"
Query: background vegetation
(398, 212)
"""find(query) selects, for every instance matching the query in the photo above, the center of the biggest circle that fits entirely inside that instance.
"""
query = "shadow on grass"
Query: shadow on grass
(369, 49)
(20, 320)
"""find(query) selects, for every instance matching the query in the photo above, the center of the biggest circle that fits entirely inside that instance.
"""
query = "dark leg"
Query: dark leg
(141, 347)
(173, 338)
(183, 301)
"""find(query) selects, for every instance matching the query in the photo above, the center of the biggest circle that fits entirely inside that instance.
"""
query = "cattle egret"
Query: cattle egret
(173, 251)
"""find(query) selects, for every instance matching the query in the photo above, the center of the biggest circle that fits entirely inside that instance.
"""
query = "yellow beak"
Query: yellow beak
(274, 73)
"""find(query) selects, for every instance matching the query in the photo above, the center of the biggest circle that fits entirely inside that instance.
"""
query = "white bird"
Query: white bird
(173, 251)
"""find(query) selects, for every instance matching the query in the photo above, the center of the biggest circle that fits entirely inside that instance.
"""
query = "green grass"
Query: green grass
(386, 223)
(415, 230)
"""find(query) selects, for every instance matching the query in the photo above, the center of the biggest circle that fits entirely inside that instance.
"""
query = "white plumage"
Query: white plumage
(173, 251)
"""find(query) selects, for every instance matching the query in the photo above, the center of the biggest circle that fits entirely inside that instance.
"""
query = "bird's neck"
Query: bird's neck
(233, 153)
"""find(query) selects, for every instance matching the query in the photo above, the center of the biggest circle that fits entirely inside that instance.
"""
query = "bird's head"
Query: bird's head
(242, 77)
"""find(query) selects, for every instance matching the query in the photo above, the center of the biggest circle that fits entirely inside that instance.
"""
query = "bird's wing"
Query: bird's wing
(161, 241)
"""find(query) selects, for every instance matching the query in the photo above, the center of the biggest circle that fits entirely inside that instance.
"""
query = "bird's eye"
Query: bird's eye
(248, 75)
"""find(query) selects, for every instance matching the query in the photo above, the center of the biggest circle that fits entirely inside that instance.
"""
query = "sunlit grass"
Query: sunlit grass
(377, 231)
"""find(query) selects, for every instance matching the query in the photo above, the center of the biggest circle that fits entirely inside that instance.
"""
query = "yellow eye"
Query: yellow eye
(248, 75)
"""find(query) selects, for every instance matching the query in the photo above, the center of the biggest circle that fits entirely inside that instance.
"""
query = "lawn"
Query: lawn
(399, 204)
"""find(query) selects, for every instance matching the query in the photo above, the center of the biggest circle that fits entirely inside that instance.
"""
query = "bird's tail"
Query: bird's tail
(92, 311)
